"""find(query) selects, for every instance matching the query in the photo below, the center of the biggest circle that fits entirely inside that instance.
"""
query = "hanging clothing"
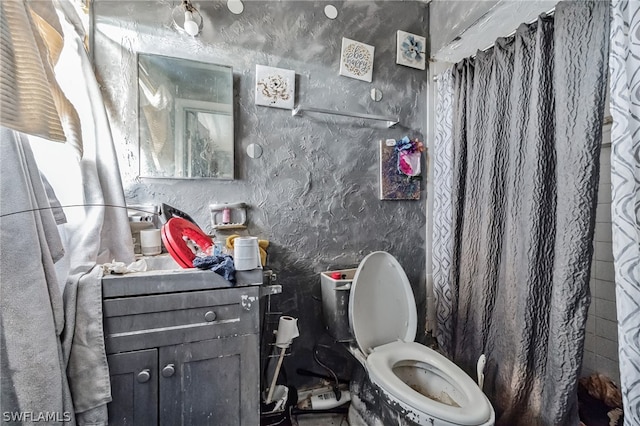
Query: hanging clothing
(624, 64)
(526, 141)
(32, 366)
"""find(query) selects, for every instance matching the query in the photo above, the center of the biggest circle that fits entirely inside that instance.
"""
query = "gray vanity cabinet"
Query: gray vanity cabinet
(184, 358)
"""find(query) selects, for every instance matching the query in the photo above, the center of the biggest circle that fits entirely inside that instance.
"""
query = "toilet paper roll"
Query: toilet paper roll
(287, 331)
(150, 242)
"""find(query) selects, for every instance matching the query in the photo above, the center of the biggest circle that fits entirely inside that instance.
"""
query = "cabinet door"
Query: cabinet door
(134, 388)
(213, 382)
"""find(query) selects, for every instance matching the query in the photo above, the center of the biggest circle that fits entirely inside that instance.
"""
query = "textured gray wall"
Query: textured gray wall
(450, 18)
(314, 192)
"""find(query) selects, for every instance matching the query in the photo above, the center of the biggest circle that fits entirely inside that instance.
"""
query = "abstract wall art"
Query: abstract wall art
(395, 183)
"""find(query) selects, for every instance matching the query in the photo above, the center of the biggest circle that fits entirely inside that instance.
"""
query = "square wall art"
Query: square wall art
(411, 50)
(275, 87)
(356, 60)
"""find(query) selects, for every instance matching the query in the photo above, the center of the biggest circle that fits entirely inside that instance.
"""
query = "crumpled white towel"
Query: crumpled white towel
(122, 268)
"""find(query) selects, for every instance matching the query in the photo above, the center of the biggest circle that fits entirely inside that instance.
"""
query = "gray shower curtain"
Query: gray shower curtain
(526, 140)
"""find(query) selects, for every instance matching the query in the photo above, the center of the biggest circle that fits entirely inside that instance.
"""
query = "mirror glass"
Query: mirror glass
(185, 118)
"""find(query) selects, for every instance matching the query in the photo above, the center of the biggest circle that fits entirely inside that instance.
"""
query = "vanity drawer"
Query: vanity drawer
(133, 323)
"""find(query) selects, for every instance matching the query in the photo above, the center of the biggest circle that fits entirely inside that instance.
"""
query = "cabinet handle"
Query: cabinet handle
(144, 376)
(210, 316)
(168, 370)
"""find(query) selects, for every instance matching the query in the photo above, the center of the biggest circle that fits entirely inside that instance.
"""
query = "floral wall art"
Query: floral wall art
(275, 87)
(356, 60)
(411, 50)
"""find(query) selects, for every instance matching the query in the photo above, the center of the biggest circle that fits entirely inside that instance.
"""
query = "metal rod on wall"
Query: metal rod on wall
(298, 110)
(550, 12)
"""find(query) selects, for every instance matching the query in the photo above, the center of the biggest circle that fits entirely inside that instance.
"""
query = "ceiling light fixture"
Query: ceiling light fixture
(186, 17)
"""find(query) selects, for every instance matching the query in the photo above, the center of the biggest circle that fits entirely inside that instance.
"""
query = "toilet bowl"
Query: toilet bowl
(426, 387)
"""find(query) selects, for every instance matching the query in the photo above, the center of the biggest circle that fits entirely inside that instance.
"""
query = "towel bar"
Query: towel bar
(298, 110)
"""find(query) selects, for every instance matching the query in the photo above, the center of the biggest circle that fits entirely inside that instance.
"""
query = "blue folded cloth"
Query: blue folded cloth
(220, 264)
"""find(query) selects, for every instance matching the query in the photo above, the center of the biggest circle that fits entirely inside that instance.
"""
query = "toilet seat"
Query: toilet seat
(475, 410)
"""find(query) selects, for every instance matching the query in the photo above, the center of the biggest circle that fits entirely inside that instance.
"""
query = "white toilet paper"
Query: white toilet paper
(287, 331)
(150, 242)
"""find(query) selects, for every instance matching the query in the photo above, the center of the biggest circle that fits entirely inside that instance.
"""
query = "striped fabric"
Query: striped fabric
(31, 101)
(624, 67)
(442, 212)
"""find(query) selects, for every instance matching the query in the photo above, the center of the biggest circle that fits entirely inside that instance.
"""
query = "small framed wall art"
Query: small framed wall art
(411, 50)
(356, 60)
(275, 87)
(400, 169)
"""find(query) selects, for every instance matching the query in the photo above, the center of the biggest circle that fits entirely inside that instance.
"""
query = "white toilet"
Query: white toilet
(424, 386)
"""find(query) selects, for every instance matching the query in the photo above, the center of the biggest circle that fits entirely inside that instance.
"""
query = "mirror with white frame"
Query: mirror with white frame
(185, 118)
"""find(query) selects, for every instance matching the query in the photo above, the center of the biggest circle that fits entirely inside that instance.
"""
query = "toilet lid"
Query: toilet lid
(382, 308)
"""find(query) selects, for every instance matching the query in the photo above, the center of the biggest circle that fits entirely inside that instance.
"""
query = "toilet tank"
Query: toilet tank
(335, 287)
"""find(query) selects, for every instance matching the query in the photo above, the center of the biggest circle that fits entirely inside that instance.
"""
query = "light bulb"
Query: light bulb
(190, 25)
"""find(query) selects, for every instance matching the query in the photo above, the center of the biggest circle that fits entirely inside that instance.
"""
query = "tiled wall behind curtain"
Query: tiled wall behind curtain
(601, 343)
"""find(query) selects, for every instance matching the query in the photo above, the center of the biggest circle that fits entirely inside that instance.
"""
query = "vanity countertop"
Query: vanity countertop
(158, 281)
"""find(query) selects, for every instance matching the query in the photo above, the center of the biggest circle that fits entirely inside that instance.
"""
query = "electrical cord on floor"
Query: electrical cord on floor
(336, 391)
(305, 372)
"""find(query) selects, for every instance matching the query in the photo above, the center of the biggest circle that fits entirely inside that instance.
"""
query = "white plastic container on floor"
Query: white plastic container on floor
(327, 400)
